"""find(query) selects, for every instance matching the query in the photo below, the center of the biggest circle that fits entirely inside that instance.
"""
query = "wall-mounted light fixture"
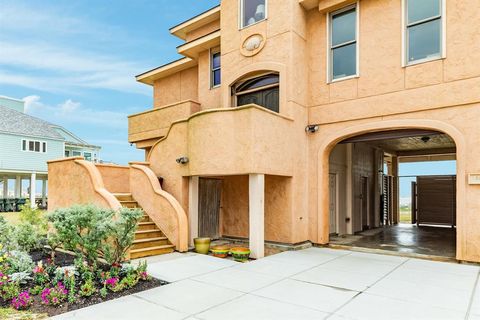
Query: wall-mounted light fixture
(182, 160)
(312, 128)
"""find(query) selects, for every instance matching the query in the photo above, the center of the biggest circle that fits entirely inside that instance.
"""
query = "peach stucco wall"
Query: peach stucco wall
(77, 181)
(115, 178)
(176, 87)
(441, 95)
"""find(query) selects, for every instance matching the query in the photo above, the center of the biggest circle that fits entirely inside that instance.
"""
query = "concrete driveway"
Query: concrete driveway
(314, 283)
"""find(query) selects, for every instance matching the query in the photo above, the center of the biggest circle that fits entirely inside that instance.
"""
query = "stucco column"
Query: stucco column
(349, 189)
(18, 186)
(256, 199)
(395, 191)
(5, 187)
(44, 192)
(33, 180)
(193, 209)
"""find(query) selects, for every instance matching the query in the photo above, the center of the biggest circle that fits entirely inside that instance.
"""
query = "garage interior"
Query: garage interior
(364, 189)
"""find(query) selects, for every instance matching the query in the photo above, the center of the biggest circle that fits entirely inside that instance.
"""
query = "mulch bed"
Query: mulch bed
(65, 259)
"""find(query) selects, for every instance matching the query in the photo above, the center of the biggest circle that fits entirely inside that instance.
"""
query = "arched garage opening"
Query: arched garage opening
(361, 172)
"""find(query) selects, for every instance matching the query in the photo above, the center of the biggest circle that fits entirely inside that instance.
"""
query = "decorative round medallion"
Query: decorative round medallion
(252, 45)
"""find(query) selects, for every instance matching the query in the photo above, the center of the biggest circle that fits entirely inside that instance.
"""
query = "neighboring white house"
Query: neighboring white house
(26, 144)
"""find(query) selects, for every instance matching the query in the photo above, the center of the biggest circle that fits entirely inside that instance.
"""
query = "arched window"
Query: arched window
(262, 90)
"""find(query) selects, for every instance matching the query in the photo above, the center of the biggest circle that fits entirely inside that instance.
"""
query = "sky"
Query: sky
(74, 62)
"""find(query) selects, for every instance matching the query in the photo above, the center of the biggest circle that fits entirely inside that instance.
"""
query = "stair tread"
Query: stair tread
(165, 246)
(147, 231)
(127, 201)
(149, 239)
(144, 223)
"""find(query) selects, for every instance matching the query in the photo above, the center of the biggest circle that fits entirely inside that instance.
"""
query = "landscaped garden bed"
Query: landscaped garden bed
(36, 276)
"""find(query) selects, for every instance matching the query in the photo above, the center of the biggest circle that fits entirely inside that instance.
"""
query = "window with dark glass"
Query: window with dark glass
(67, 153)
(343, 43)
(252, 11)
(87, 156)
(76, 153)
(34, 146)
(423, 29)
(262, 90)
(216, 75)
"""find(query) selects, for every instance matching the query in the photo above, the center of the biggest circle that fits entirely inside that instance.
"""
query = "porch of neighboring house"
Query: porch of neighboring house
(18, 187)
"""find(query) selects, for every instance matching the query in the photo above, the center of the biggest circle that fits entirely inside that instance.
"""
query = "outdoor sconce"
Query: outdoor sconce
(182, 160)
(312, 128)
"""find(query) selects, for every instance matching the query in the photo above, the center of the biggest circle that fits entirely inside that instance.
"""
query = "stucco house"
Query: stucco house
(27, 143)
(285, 122)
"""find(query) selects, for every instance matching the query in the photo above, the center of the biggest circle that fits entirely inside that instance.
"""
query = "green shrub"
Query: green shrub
(27, 237)
(19, 261)
(83, 229)
(122, 234)
(91, 231)
(34, 217)
(6, 232)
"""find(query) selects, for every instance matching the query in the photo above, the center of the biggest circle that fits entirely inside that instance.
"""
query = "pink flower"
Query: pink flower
(23, 301)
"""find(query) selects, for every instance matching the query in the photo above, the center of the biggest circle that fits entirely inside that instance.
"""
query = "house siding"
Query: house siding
(13, 158)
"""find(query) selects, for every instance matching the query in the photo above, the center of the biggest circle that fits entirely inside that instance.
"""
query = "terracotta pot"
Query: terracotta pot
(202, 245)
(240, 254)
(220, 251)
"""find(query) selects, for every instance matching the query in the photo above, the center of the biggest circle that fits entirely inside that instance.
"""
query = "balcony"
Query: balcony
(147, 127)
(228, 141)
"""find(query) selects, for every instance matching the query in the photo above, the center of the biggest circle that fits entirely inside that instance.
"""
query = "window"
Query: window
(423, 34)
(343, 43)
(76, 153)
(67, 153)
(252, 11)
(215, 75)
(34, 146)
(87, 156)
(262, 90)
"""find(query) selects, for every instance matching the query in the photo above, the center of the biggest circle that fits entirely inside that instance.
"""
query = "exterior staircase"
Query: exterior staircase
(149, 239)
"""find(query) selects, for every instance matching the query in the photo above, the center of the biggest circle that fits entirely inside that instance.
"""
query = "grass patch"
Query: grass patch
(9, 313)
(13, 217)
(405, 216)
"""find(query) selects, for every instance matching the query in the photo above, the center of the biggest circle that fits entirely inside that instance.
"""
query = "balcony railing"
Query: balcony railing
(146, 127)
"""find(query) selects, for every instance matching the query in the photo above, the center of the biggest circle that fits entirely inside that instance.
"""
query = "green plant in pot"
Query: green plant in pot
(220, 251)
(202, 245)
(240, 254)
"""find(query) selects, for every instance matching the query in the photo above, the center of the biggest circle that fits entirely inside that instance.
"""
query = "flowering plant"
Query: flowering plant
(23, 301)
(40, 274)
(8, 288)
(54, 296)
(113, 284)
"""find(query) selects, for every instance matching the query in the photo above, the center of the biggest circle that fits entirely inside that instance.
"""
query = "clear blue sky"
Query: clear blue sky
(74, 61)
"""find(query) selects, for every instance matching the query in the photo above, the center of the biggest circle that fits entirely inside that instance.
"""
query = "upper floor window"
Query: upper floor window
(34, 146)
(262, 90)
(423, 34)
(67, 153)
(343, 43)
(252, 11)
(215, 74)
(76, 153)
(87, 156)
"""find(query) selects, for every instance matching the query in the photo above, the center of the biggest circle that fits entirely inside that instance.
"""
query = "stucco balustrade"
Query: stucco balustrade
(77, 181)
(153, 124)
(160, 206)
(227, 141)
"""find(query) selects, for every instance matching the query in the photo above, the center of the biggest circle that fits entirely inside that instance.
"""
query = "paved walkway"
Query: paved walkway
(315, 283)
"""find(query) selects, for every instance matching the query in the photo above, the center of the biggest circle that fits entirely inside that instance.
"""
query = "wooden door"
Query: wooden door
(268, 98)
(436, 200)
(364, 198)
(209, 196)
(332, 188)
(413, 205)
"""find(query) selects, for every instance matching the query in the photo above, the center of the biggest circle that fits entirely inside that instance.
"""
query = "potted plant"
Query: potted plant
(240, 254)
(220, 251)
(202, 245)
